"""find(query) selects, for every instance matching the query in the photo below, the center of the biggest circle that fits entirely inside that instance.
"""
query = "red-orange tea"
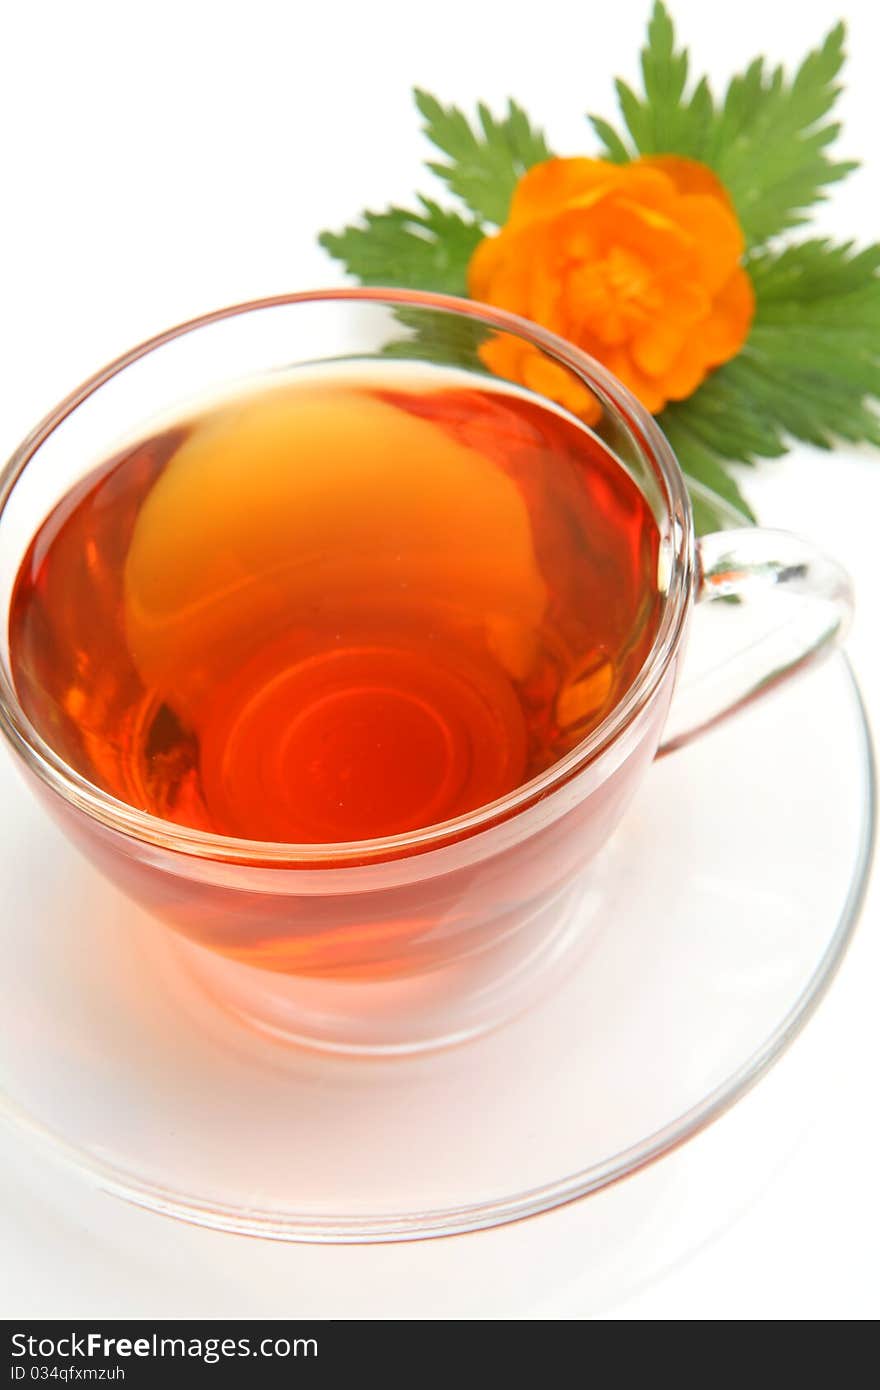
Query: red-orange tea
(336, 608)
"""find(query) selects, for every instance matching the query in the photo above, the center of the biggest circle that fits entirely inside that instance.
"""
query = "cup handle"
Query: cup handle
(768, 606)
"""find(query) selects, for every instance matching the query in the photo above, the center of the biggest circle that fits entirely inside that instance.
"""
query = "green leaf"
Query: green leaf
(442, 339)
(717, 501)
(767, 141)
(614, 148)
(770, 141)
(810, 369)
(485, 161)
(722, 419)
(667, 119)
(427, 249)
(812, 361)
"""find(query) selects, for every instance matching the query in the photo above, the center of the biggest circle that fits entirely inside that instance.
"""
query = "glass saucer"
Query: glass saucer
(715, 920)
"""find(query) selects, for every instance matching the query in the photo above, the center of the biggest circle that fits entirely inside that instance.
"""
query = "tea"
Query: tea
(337, 607)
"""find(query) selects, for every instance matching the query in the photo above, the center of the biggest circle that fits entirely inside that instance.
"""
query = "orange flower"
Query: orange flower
(638, 264)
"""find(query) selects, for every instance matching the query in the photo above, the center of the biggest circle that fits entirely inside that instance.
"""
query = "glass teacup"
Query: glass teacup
(429, 936)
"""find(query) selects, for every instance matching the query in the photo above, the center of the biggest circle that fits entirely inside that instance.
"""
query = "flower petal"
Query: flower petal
(656, 348)
(687, 372)
(726, 326)
(646, 388)
(716, 235)
(638, 264)
(688, 175)
(547, 188)
(548, 378)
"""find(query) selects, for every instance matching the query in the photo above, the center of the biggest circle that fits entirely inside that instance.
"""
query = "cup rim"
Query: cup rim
(118, 815)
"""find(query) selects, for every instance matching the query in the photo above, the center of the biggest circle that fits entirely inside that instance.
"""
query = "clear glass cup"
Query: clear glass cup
(430, 937)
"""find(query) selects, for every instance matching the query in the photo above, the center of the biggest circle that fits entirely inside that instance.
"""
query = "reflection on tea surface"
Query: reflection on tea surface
(337, 607)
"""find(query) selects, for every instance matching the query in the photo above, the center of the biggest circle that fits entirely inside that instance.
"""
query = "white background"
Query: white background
(160, 160)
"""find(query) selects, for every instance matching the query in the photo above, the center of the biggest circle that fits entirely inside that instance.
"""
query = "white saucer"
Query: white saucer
(718, 915)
